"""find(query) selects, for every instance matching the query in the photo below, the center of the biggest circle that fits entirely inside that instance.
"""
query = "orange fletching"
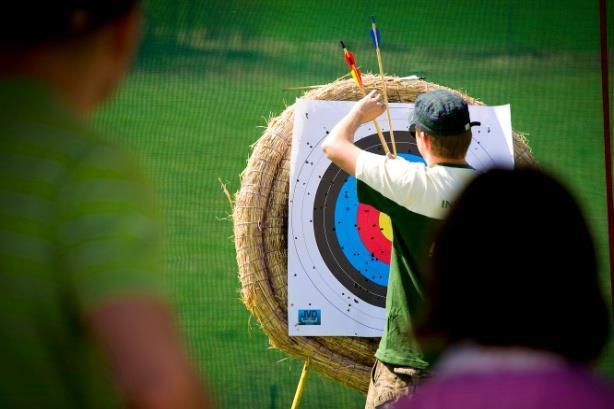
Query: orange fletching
(349, 59)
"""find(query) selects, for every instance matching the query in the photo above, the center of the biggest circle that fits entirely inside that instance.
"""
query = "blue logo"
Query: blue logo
(309, 317)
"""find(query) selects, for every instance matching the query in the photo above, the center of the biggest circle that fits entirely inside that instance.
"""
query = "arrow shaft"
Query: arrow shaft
(382, 140)
(380, 134)
(385, 92)
(355, 72)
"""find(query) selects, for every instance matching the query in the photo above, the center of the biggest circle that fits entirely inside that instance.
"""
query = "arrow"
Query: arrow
(377, 40)
(350, 60)
(376, 37)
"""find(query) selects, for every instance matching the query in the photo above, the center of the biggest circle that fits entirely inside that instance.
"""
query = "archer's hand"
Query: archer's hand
(369, 107)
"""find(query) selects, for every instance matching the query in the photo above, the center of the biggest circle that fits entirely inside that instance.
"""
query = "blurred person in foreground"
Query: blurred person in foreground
(514, 301)
(84, 320)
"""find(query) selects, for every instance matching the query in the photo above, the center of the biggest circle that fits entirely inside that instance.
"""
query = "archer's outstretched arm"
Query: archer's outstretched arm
(339, 144)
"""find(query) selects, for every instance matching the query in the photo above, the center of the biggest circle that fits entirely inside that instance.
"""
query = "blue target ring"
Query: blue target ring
(346, 214)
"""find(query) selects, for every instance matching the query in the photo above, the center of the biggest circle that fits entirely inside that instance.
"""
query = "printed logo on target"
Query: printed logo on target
(309, 317)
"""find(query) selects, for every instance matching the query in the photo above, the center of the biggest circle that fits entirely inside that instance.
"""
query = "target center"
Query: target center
(385, 225)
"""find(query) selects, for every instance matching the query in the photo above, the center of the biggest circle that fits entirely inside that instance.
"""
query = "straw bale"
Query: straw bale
(260, 219)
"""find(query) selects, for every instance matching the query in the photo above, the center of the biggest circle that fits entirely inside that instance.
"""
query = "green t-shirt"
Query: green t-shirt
(416, 198)
(77, 229)
(412, 241)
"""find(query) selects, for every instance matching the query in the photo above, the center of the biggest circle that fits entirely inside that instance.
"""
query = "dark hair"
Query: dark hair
(514, 265)
(28, 24)
(450, 146)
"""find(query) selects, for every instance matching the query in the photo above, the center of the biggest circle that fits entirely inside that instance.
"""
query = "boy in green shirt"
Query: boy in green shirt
(84, 321)
(415, 197)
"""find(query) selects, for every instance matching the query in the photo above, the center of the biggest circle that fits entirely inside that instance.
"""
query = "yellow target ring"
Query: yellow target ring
(385, 225)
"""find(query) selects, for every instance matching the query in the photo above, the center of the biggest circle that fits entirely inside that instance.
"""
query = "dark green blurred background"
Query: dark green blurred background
(211, 72)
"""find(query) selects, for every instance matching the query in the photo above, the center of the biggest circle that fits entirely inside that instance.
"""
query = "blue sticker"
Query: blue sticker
(309, 317)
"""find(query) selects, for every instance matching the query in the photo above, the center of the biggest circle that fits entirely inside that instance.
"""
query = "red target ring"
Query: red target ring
(373, 230)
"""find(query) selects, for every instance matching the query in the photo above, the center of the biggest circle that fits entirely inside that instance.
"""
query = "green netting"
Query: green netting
(210, 73)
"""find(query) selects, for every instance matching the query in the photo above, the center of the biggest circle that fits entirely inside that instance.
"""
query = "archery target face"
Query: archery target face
(338, 249)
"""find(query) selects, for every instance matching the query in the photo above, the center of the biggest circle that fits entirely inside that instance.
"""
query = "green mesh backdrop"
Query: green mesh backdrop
(210, 73)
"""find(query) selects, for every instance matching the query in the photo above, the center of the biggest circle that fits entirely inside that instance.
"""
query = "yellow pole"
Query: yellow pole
(296, 403)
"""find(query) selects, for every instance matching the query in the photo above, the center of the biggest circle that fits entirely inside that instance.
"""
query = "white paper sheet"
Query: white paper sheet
(319, 304)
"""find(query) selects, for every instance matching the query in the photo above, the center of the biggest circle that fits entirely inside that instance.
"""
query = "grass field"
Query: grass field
(197, 98)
